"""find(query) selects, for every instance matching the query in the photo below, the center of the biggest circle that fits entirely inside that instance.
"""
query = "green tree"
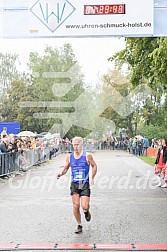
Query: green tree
(11, 111)
(138, 56)
(51, 72)
(146, 59)
(28, 99)
(116, 87)
(8, 71)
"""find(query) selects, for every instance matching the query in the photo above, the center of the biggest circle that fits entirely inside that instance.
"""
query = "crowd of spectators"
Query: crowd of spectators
(136, 145)
(44, 147)
(13, 143)
(24, 151)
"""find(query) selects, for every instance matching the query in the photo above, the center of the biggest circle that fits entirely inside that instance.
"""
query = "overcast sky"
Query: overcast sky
(92, 53)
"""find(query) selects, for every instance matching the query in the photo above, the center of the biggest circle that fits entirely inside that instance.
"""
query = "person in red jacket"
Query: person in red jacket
(160, 164)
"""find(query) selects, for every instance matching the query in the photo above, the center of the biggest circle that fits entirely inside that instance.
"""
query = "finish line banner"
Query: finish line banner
(73, 18)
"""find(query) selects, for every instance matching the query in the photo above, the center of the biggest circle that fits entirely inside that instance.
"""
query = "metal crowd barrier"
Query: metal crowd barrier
(7, 163)
(21, 161)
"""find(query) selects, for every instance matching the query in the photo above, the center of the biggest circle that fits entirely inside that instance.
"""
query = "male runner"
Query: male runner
(80, 161)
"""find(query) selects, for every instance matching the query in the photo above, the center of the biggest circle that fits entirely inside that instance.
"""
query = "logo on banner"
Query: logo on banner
(52, 13)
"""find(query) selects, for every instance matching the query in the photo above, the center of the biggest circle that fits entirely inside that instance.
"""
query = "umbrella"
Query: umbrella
(56, 135)
(39, 135)
(43, 133)
(48, 136)
(139, 136)
(26, 134)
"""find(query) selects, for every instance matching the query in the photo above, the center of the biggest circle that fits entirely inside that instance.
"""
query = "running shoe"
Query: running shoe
(78, 230)
(87, 215)
(164, 186)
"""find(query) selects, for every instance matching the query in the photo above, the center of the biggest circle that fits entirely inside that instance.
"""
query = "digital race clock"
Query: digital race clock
(104, 9)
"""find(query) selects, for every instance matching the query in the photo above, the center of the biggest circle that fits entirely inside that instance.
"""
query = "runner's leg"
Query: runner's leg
(85, 200)
(76, 207)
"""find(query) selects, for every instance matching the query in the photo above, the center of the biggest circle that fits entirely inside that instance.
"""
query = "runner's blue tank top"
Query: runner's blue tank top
(79, 169)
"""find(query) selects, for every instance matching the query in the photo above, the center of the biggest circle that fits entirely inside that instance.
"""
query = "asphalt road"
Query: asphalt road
(126, 205)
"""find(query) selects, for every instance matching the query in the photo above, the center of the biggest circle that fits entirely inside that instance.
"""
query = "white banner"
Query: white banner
(74, 18)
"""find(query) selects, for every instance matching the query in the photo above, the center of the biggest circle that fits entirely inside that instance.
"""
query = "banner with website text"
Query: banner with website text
(73, 18)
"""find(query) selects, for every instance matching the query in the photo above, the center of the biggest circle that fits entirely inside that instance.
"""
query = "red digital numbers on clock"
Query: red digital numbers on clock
(104, 9)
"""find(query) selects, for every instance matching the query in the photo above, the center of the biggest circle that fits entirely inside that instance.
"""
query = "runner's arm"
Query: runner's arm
(91, 161)
(65, 169)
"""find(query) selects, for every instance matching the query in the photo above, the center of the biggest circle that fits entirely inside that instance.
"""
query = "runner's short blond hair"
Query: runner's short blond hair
(78, 139)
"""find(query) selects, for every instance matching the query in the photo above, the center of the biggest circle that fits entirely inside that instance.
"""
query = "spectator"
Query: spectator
(4, 145)
(4, 132)
(160, 163)
(145, 145)
(134, 144)
(13, 144)
(140, 147)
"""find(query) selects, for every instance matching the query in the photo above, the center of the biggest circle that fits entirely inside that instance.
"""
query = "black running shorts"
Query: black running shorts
(81, 189)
